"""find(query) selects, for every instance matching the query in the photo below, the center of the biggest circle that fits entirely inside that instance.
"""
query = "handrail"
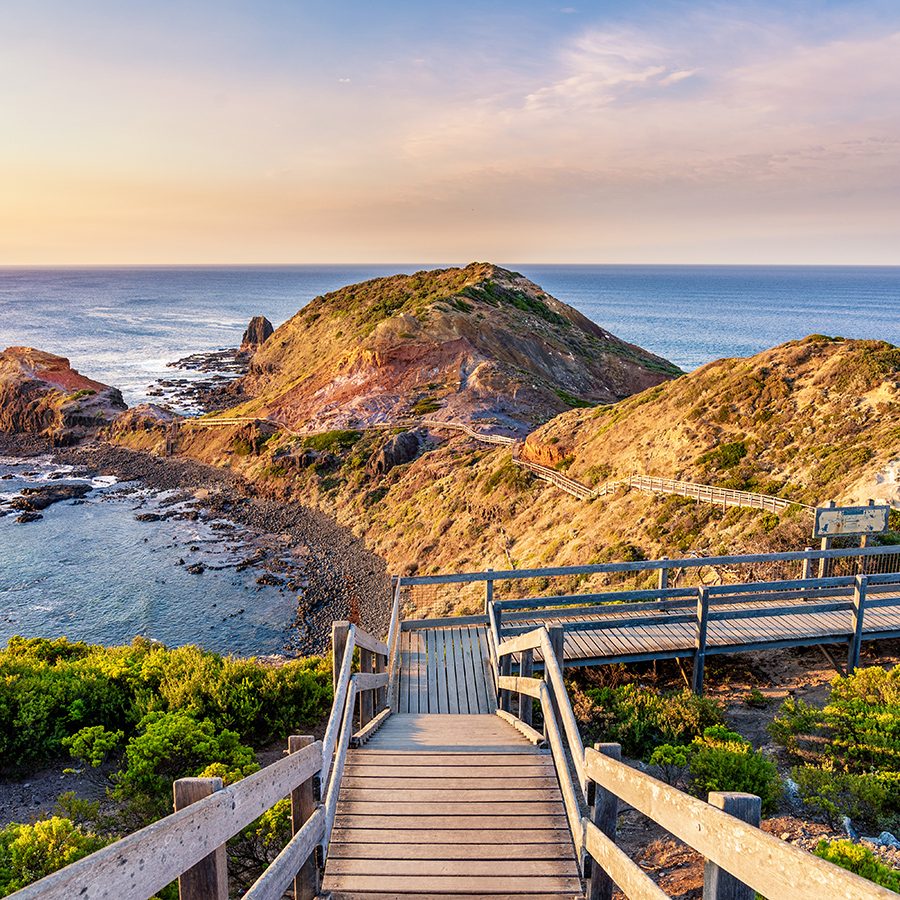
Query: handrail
(179, 841)
(653, 564)
(334, 786)
(335, 720)
(759, 860)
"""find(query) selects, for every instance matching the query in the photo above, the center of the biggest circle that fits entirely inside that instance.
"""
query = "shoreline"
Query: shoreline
(344, 579)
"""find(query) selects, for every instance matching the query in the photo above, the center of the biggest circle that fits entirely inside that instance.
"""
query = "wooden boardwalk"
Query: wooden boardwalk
(450, 806)
(445, 670)
(622, 635)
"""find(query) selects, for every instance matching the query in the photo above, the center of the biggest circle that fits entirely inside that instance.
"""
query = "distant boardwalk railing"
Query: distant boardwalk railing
(703, 493)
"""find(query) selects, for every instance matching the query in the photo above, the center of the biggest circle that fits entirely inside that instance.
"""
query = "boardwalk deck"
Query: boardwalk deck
(445, 670)
(667, 636)
(450, 806)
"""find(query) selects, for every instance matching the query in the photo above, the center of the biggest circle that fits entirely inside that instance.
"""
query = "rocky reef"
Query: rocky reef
(42, 394)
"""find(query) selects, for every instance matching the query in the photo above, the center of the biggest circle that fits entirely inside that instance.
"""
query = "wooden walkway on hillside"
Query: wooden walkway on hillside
(620, 634)
(452, 806)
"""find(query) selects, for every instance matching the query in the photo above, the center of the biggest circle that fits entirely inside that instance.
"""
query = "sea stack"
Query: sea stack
(257, 333)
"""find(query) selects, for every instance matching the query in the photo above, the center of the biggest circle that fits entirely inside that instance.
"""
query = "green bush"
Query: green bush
(29, 852)
(333, 441)
(51, 691)
(723, 761)
(641, 719)
(93, 744)
(860, 860)
(176, 745)
(869, 799)
(858, 729)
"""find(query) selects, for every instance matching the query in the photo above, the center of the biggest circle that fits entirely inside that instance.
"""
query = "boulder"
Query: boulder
(258, 332)
(42, 394)
(33, 499)
(395, 451)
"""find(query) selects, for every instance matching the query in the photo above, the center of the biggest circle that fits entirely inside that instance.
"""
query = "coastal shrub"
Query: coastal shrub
(93, 744)
(52, 690)
(176, 745)
(849, 749)
(29, 852)
(333, 441)
(860, 860)
(724, 457)
(641, 719)
(722, 760)
(424, 406)
(869, 799)
(572, 400)
(858, 730)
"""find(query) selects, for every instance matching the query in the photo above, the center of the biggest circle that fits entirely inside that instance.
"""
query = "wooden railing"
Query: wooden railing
(190, 844)
(705, 605)
(703, 493)
(740, 858)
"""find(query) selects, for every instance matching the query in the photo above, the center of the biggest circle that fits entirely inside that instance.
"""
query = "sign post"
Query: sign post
(842, 521)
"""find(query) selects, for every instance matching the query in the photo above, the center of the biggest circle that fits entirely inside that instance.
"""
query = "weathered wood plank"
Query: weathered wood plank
(459, 808)
(479, 884)
(477, 781)
(402, 868)
(363, 850)
(441, 822)
(367, 642)
(557, 834)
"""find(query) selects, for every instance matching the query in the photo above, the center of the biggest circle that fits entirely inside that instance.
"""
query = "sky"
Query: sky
(305, 131)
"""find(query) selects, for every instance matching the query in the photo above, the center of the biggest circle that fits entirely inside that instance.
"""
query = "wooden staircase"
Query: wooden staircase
(447, 799)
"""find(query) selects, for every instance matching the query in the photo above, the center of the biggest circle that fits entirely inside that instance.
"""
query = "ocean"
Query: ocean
(91, 571)
(123, 325)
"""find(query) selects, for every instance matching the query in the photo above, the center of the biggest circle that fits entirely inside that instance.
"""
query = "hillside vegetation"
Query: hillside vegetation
(473, 343)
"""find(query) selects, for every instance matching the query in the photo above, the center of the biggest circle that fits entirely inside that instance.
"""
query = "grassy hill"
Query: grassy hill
(810, 420)
(473, 343)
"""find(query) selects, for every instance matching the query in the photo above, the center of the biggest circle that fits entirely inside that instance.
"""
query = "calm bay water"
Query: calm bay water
(91, 572)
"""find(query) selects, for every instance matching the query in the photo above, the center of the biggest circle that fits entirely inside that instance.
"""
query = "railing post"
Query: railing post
(366, 698)
(488, 593)
(526, 670)
(208, 879)
(604, 806)
(339, 633)
(664, 577)
(717, 883)
(826, 545)
(557, 642)
(863, 543)
(700, 640)
(859, 606)
(506, 669)
(303, 805)
(381, 665)
(806, 571)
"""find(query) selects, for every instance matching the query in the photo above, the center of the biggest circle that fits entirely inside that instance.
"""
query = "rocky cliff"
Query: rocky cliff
(477, 343)
(42, 394)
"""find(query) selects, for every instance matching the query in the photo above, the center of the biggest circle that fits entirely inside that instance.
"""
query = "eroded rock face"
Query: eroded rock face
(42, 394)
(258, 332)
(397, 450)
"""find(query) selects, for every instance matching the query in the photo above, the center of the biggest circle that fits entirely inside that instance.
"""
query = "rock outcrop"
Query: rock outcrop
(258, 332)
(473, 344)
(42, 394)
(397, 450)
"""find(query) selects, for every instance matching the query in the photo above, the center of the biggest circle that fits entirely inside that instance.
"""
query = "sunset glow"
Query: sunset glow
(518, 131)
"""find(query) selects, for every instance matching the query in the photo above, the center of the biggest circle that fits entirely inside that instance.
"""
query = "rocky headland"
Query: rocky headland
(42, 394)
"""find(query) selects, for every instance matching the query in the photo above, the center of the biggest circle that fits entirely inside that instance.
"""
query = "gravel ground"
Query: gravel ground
(346, 581)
